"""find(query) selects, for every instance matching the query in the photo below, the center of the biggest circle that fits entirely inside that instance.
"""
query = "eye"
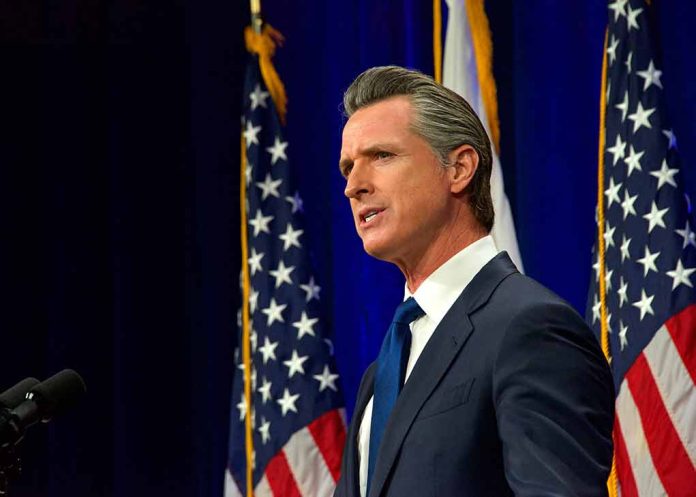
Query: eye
(345, 170)
(382, 154)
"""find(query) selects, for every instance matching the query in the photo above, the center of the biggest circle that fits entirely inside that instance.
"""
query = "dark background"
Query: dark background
(119, 146)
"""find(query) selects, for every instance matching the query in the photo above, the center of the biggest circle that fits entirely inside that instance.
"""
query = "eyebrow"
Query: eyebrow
(372, 149)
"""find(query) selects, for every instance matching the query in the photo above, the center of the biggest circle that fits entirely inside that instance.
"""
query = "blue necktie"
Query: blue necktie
(391, 368)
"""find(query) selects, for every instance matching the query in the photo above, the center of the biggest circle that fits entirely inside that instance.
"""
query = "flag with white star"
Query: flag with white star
(648, 271)
(296, 401)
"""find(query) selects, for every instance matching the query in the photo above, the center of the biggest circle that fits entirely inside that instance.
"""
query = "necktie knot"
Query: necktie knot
(408, 311)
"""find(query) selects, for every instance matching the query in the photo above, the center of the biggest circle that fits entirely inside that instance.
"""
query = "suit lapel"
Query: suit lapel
(444, 345)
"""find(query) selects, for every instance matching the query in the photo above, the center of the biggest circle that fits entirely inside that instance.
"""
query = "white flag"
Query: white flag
(461, 75)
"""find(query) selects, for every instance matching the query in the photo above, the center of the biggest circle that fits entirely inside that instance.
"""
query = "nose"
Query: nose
(358, 183)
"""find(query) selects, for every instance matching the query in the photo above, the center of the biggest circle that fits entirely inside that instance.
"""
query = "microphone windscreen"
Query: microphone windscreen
(14, 396)
(58, 393)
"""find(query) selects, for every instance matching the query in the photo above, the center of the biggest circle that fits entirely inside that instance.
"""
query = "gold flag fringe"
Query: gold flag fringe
(612, 482)
(246, 343)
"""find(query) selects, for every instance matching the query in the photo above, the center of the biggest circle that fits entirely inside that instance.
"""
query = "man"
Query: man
(496, 387)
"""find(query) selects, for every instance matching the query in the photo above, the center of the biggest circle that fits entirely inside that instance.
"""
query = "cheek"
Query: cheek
(418, 211)
(421, 196)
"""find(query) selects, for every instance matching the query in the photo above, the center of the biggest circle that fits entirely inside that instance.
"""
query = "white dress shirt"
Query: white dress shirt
(435, 296)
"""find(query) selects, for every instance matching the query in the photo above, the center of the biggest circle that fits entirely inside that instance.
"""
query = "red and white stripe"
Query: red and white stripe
(308, 465)
(655, 429)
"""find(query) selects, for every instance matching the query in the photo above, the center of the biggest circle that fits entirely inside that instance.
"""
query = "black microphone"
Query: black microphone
(12, 397)
(9, 399)
(45, 400)
(57, 394)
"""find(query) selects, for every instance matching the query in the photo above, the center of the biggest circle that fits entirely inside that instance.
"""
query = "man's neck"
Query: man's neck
(418, 270)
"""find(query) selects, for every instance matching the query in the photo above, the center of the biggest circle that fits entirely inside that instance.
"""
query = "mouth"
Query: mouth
(368, 216)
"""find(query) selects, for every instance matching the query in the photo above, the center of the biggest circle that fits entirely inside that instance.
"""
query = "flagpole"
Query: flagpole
(256, 21)
(437, 40)
(256, 24)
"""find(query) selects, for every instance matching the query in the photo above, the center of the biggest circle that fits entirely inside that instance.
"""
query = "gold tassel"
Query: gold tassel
(264, 45)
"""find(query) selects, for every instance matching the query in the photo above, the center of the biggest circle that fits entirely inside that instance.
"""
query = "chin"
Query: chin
(370, 249)
(377, 250)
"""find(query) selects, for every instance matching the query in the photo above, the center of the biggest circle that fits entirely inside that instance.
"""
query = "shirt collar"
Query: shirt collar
(441, 289)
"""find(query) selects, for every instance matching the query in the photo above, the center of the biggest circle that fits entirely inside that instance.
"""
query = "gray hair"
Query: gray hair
(441, 117)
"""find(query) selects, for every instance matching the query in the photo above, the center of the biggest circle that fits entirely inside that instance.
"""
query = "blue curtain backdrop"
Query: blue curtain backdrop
(119, 161)
(547, 64)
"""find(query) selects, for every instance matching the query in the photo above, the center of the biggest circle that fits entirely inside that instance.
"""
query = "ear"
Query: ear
(464, 160)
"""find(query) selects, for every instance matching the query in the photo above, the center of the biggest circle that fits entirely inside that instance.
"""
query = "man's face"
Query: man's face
(399, 192)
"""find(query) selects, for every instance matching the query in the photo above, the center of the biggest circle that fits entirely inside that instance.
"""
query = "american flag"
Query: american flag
(296, 415)
(649, 270)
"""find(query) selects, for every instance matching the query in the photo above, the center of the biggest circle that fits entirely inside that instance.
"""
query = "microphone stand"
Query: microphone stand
(10, 467)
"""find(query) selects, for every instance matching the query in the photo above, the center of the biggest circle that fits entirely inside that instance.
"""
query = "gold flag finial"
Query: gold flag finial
(256, 22)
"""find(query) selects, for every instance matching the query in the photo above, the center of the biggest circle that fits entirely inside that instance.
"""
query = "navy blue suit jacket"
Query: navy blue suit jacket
(511, 396)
